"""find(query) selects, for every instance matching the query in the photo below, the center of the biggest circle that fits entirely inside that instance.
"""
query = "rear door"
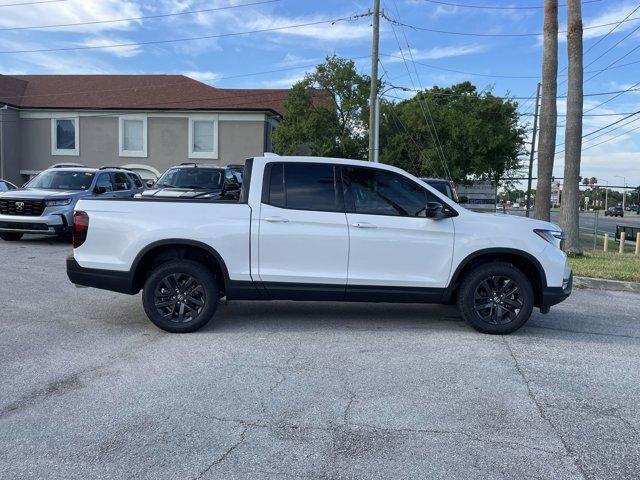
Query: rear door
(391, 242)
(303, 234)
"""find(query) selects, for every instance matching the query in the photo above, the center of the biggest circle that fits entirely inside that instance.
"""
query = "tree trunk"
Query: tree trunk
(569, 209)
(548, 111)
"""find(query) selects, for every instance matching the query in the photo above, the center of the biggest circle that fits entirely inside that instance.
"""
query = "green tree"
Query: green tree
(479, 134)
(326, 114)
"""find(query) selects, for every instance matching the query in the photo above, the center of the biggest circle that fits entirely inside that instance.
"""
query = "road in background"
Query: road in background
(89, 388)
(587, 219)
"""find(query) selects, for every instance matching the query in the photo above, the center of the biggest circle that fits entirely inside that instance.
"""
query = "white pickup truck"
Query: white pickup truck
(309, 228)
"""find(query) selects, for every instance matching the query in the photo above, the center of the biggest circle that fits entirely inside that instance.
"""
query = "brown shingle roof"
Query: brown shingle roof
(174, 92)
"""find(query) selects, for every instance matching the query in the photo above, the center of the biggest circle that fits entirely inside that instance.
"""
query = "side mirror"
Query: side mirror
(149, 183)
(433, 210)
(100, 190)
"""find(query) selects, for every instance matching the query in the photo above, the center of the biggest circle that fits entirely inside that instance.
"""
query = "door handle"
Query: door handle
(276, 220)
(364, 225)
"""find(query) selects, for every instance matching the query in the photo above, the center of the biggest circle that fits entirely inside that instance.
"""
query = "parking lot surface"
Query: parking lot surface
(89, 388)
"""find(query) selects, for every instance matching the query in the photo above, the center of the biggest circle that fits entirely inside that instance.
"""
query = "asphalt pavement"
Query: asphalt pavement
(89, 388)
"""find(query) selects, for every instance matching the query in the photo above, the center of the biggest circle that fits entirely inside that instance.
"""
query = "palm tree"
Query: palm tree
(548, 111)
(569, 209)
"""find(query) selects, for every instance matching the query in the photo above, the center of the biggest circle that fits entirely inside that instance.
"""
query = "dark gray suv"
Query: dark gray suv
(45, 204)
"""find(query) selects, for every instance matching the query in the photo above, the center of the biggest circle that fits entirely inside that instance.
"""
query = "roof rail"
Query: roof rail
(68, 165)
(195, 164)
(105, 167)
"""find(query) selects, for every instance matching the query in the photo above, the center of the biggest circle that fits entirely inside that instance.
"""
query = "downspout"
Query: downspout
(4, 108)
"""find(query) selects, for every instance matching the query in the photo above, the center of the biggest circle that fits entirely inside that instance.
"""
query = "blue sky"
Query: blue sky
(227, 62)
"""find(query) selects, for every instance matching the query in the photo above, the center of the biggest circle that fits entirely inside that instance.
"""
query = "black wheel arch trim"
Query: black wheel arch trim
(455, 278)
(178, 242)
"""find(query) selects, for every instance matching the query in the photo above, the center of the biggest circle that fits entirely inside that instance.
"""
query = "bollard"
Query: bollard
(638, 243)
(623, 236)
(605, 247)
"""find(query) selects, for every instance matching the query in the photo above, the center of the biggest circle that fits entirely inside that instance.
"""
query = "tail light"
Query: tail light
(80, 227)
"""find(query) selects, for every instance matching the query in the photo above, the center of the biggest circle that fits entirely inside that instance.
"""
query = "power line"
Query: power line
(424, 105)
(494, 7)
(617, 94)
(30, 3)
(187, 39)
(613, 63)
(611, 124)
(612, 138)
(132, 19)
(475, 34)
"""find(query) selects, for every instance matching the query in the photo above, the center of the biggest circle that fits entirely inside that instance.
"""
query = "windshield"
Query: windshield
(62, 180)
(204, 178)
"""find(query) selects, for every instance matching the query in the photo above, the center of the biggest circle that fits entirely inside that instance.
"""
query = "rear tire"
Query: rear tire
(180, 296)
(495, 298)
(11, 236)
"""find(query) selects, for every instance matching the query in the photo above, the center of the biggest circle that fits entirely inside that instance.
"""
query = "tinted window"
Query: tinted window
(303, 186)
(310, 187)
(136, 180)
(378, 192)
(104, 181)
(121, 181)
(276, 185)
(192, 177)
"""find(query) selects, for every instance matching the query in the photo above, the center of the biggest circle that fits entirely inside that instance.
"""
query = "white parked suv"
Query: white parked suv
(319, 229)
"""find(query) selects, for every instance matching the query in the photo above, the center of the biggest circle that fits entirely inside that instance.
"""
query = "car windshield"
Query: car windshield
(203, 178)
(62, 180)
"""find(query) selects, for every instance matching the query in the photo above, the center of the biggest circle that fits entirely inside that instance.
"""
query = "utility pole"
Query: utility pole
(374, 75)
(533, 148)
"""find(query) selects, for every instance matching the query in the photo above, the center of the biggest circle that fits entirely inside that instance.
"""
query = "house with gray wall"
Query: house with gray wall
(143, 122)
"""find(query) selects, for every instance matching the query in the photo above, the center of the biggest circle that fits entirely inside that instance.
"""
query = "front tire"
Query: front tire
(180, 296)
(496, 298)
(11, 236)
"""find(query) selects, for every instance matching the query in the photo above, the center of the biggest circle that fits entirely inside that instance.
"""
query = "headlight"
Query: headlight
(58, 203)
(554, 237)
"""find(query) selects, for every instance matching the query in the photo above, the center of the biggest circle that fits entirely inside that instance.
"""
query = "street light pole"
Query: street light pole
(533, 148)
(624, 190)
(376, 120)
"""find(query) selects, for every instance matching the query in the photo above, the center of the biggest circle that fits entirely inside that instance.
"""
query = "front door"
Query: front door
(392, 244)
(303, 234)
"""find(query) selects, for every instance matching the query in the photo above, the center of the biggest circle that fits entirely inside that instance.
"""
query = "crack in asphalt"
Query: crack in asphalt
(225, 454)
(603, 334)
(247, 424)
(345, 413)
(542, 413)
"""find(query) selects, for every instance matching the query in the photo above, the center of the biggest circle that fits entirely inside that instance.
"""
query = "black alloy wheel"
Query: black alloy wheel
(495, 297)
(498, 300)
(180, 296)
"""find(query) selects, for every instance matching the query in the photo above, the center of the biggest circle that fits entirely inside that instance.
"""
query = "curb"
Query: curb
(605, 284)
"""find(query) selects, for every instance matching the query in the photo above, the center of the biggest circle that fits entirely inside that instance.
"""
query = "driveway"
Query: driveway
(90, 389)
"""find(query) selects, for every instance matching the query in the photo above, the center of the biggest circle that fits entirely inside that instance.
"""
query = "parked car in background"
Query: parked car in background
(195, 180)
(614, 212)
(444, 186)
(307, 228)
(6, 185)
(45, 204)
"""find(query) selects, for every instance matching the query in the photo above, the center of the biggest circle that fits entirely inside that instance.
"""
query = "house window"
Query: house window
(203, 137)
(65, 136)
(133, 136)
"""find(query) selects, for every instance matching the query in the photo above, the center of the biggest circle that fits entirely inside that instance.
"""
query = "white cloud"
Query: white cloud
(203, 76)
(284, 82)
(122, 52)
(72, 11)
(438, 52)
